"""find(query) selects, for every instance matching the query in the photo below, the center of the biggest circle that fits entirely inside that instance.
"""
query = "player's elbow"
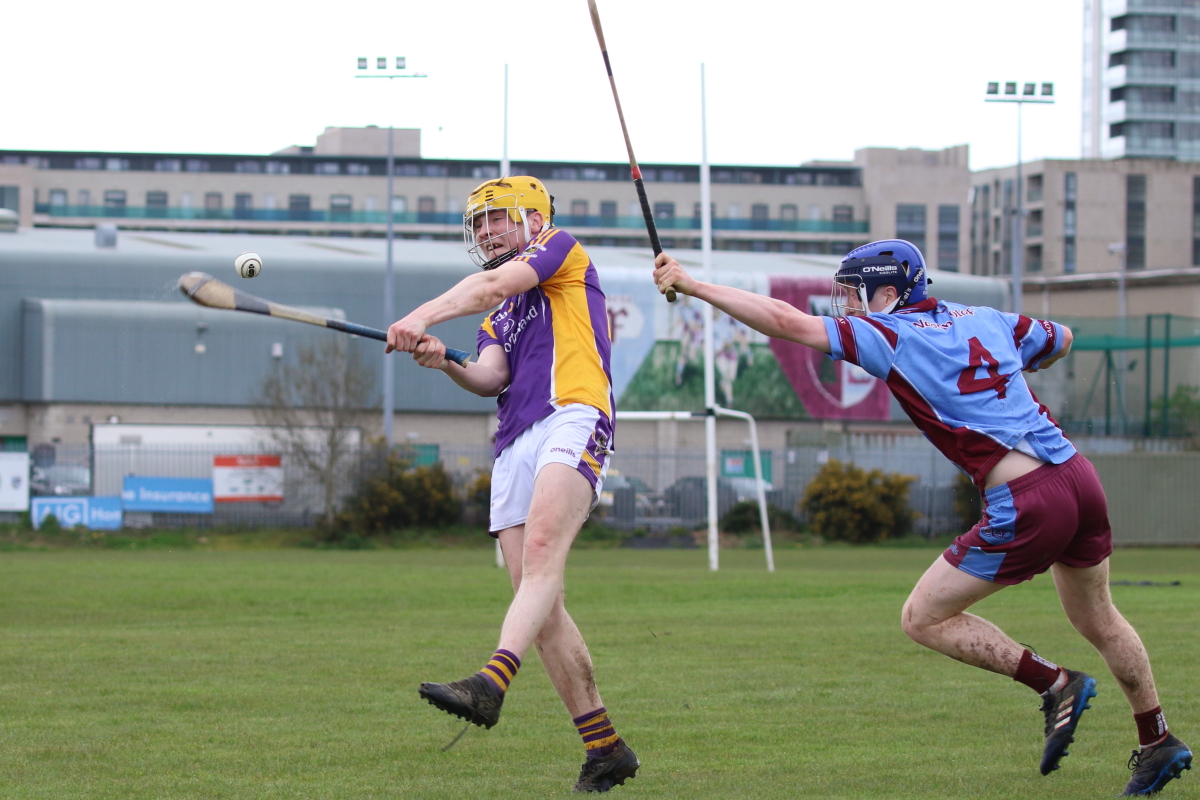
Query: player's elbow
(1068, 339)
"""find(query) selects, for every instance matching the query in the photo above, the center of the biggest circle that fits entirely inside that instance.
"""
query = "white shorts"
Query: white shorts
(576, 435)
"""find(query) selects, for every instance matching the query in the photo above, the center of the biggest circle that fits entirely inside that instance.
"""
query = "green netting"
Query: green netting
(1132, 333)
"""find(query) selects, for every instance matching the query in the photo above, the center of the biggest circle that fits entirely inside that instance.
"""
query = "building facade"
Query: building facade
(1141, 79)
(338, 187)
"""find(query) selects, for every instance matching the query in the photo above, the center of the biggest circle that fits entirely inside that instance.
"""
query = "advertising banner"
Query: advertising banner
(94, 513)
(14, 481)
(248, 479)
(180, 495)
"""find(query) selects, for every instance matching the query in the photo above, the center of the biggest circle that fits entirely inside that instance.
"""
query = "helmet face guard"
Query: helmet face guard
(482, 228)
(516, 197)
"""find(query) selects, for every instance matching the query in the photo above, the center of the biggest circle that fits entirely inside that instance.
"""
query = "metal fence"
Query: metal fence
(1150, 482)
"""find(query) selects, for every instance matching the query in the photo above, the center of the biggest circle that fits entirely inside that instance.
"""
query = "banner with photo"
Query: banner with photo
(658, 355)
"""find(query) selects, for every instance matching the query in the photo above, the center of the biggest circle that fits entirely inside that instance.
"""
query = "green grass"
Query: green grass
(293, 674)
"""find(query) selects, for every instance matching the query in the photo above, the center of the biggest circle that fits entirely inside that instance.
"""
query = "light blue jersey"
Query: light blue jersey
(956, 371)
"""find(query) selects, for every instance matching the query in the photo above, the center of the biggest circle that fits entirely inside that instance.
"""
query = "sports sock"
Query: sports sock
(599, 735)
(1039, 674)
(1152, 727)
(501, 669)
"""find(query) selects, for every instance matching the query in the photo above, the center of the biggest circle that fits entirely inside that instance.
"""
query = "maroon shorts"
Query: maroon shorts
(1057, 513)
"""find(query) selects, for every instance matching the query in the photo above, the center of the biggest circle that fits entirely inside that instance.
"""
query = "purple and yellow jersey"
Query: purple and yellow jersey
(556, 338)
(956, 371)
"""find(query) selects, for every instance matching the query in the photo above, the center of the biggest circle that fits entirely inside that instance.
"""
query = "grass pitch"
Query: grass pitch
(293, 674)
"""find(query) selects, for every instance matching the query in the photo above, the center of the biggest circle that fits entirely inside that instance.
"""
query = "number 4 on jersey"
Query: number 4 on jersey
(968, 383)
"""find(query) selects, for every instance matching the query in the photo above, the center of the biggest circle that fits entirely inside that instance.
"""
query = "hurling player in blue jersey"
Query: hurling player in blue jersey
(956, 371)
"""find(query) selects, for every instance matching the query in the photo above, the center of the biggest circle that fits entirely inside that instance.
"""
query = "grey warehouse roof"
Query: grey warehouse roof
(83, 324)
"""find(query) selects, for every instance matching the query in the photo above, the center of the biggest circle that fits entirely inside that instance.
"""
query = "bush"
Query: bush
(393, 495)
(847, 503)
(743, 517)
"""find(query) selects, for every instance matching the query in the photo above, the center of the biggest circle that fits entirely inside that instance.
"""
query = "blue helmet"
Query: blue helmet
(890, 262)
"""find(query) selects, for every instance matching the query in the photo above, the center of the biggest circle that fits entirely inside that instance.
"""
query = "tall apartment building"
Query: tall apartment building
(337, 187)
(1084, 220)
(1141, 79)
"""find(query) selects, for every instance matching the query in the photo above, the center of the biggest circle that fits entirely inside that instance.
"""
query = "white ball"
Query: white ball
(248, 265)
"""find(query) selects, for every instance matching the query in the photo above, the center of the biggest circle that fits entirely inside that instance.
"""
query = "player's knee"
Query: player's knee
(912, 622)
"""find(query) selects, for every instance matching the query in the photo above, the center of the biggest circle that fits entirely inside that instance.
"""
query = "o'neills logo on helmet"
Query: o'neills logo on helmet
(891, 268)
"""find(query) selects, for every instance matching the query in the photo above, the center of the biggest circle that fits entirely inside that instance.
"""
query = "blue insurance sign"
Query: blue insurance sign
(181, 495)
(96, 513)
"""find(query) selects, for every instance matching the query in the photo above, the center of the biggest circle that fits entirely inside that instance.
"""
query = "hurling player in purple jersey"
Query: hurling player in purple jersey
(956, 371)
(544, 353)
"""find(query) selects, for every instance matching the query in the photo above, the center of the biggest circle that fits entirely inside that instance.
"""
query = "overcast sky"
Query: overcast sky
(788, 81)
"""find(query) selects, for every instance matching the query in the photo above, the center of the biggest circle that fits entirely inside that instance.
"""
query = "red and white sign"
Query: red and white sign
(248, 479)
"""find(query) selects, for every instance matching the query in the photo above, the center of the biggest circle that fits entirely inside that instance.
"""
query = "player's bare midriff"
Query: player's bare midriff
(1012, 466)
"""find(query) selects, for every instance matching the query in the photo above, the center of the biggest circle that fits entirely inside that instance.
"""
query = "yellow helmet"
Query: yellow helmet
(516, 195)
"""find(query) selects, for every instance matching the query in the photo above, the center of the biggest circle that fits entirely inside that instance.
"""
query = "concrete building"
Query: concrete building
(1141, 79)
(337, 187)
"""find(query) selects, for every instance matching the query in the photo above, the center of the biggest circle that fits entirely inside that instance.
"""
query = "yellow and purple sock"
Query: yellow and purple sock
(501, 669)
(599, 735)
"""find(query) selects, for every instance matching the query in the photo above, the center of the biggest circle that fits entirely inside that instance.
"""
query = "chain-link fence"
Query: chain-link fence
(1150, 482)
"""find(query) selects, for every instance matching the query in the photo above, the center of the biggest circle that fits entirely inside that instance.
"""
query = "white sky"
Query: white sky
(788, 81)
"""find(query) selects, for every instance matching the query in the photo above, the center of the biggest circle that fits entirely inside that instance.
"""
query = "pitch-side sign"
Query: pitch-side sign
(181, 495)
(248, 479)
(14, 481)
(95, 513)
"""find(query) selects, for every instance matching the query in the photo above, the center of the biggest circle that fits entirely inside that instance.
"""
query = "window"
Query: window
(649, 175)
(156, 204)
(116, 164)
(358, 169)
(788, 212)
(671, 176)
(278, 168)
(196, 165)
(268, 201)
(58, 197)
(326, 168)
(399, 204)
(185, 200)
(608, 212)
(212, 204)
(1070, 194)
(426, 209)
(1033, 188)
(248, 167)
(948, 230)
(486, 172)
(299, 206)
(760, 215)
(843, 213)
(243, 205)
(635, 209)
(168, 165)
(1195, 220)
(593, 174)
(407, 170)
(564, 174)
(1033, 227)
(370, 203)
(1033, 258)
(664, 211)
(910, 224)
(340, 207)
(87, 163)
(436, 171)
(579, 208)
(10, 197)
(1135, 221)
(735, 211)
(114, 203)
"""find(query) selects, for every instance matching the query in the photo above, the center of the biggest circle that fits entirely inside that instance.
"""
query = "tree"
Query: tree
(848, 503)
(310, 408)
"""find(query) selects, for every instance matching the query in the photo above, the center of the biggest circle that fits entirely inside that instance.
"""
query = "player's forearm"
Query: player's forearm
(769, 316)
(474, 294)
(480, 379)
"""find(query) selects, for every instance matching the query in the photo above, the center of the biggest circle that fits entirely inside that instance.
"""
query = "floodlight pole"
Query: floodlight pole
(710, 393)
(504, 165)
(389, 275)
(1018, 240)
